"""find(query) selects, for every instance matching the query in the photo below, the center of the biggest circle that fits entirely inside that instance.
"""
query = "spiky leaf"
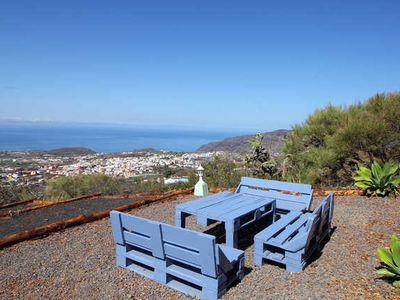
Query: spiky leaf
(396, 284)
(384, 256)
(395, 249)
(362, 184)
(385, 272)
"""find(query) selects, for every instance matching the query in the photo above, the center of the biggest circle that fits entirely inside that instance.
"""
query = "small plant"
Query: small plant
(390, 261)
(377, 180)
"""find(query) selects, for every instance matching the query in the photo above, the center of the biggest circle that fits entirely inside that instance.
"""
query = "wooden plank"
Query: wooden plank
(204, 244)
(185, 274)
(182, 254)
(278, 226)
(283, 201)
(227, 206)
(250, 207)
(290, 230)
(276, 185)
(194, 204)
(142, 241)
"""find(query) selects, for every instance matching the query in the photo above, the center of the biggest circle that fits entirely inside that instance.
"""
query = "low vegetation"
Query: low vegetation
(390, 261)
(74, 186)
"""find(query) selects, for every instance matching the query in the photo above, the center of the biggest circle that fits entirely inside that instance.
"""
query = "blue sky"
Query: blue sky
(250, 65)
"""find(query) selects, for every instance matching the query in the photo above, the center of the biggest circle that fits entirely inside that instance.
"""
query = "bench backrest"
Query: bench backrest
(289, 196)
(190, 247)
(326, 208)
(166, 242)
(320, 219)
(142, 233)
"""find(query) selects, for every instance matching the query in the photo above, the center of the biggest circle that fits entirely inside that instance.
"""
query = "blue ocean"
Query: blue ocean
(103, 138)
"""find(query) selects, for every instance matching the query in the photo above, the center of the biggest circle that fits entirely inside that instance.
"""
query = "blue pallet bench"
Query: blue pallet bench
(289, 196)
(293, 238)
(188, 261)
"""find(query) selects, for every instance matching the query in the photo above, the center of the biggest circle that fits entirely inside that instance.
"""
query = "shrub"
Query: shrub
(377, 180)
(328, 147)
(74, 186)
(218, 172)
(390, 261)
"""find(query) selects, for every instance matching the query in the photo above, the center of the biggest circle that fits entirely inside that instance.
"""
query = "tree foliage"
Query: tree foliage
(327, 148)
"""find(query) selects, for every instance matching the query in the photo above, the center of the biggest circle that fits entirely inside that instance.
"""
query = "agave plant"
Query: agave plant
(390, 261)
(377, 180)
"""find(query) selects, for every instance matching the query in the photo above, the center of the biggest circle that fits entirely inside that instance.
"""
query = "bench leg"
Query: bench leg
(121, 255)
(258, 252)
(294, 262)
(231, 234)
(294, 266)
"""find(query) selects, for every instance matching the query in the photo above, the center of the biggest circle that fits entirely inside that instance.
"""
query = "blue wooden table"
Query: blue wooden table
(236, 210)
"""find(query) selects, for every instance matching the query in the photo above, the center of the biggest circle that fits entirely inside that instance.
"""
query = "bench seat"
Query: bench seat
(293, 238)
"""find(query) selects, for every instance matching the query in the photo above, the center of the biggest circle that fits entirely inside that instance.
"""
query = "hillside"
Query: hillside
(72, 151)
(273, 141)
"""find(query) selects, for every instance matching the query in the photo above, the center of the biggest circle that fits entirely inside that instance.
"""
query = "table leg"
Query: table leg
(231, 234)
(180, 219)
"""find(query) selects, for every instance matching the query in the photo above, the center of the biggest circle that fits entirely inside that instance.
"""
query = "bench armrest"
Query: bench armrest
(228, 257)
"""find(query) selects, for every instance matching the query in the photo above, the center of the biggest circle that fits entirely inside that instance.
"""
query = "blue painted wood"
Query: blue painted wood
(234, 209)
(289, 196)
(185, 260)
(276, 185)
(293, 238)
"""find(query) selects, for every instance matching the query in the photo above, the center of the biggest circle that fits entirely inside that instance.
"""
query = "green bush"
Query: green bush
(219, 172)
(377, 180)
(390, 261)
(327, 148)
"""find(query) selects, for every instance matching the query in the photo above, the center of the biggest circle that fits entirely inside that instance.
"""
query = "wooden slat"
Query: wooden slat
(182, 254)
(225, 207)
(246, 209)
(290, 229)
(137, 240)
(277, 185)
(194, 205)
(278, 226)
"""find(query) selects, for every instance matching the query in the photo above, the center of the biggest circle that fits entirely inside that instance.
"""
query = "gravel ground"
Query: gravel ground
(59, 212)
(80, 263)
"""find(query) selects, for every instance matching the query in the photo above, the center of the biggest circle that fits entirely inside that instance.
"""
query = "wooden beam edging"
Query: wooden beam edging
(17, 203)
(46, 204)
(81, 219)
(349, 192)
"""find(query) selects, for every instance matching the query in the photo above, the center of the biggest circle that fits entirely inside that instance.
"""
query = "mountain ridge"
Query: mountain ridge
(272, 140)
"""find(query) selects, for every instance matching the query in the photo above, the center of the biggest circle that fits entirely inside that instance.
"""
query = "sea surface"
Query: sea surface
(105, 139)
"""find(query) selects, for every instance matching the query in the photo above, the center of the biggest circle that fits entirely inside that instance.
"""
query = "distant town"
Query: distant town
(34, 167)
